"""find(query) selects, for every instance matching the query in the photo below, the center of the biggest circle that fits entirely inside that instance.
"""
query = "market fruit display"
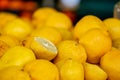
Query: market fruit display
(50, 47)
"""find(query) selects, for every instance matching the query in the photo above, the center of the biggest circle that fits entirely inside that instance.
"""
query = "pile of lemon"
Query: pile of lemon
(49, 47)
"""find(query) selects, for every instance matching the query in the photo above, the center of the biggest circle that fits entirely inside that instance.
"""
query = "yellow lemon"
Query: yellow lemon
(11, 41)
(113, 26)
(71, 70)
(94, 72)
(96, 44)
(17, 55)
(111, 65)
(70, 49)
(13, 73)
(49, 33)
(86, 23)
(41, 15)
(42, 47)
(6, 17)
(59, 20)
(66, 34)
(17, 28)
(42, 69)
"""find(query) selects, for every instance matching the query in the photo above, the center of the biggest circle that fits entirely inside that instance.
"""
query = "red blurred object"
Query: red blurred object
(4, 4)
(30, 6)
(16, 5)
(71, 15)
(26, 15)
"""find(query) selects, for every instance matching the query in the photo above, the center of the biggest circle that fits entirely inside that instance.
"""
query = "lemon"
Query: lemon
(17, 55)
(42, 69)
(71, 70)
(49, 33)
(110, 64)
(96, 44)
(70, 49)
(66, 34)
(94, 72)
(11, 41)
(113, 26)
(59, 20)
(86, 23)
(17, 28)
(40, 16)
(13, 73)
(6, 17)
(43, 48)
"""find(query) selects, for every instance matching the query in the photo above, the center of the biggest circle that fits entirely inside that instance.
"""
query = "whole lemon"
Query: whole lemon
(70, 49)
(86, 23)
(111, 65)
(42, 69)
(40, 16)
(96, 44)
(59, 20)
(6, 17)
(71, 70)
(17, 28)
(17, 55)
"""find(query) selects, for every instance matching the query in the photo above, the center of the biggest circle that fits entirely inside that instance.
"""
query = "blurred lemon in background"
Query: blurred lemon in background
(41, 15)
(86, 23)
(17, 28)
(59, 20)
(6, 17)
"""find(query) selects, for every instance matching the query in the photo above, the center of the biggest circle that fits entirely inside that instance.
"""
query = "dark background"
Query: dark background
(101, 8)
